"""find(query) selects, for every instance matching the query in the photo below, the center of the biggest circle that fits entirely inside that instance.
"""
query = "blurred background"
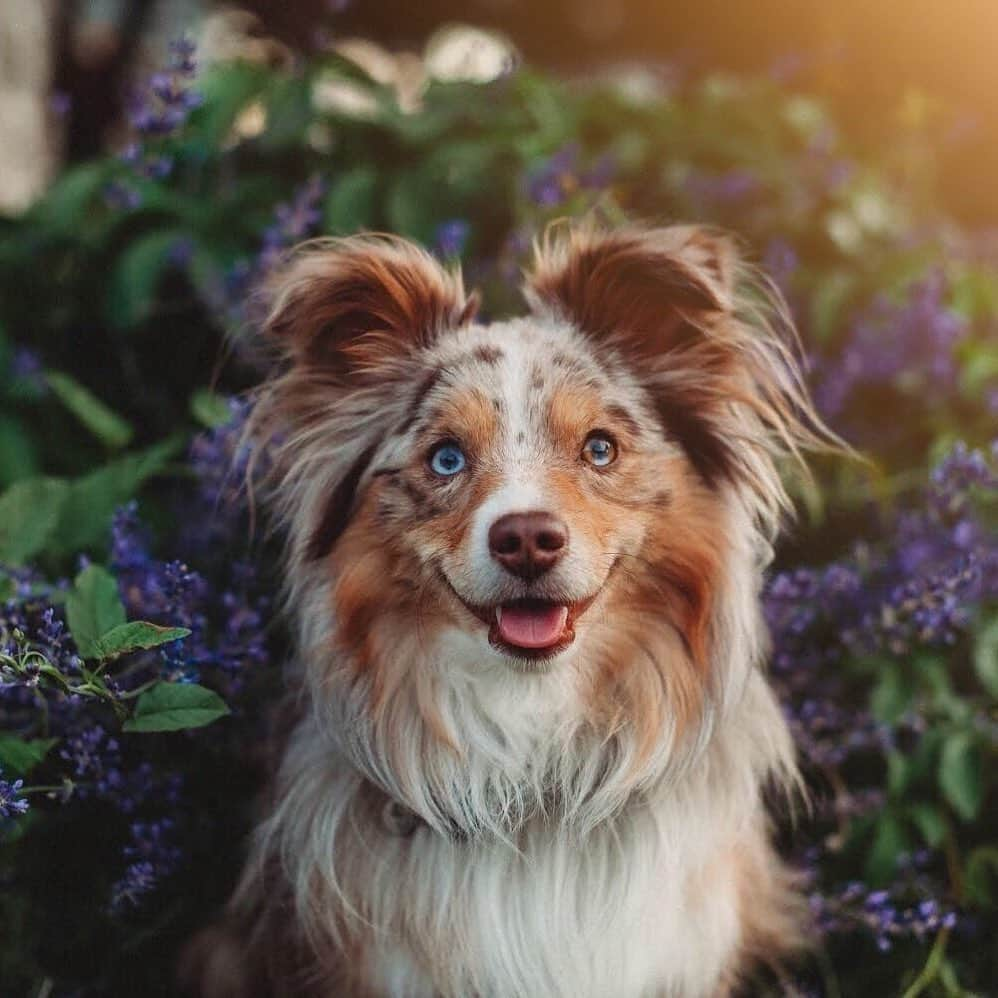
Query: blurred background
(156, 161)
(65, 67)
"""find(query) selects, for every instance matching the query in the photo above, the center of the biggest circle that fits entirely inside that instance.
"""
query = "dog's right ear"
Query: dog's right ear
(352, 307)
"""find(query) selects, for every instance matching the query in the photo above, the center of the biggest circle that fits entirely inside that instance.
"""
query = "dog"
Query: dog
(532, 739)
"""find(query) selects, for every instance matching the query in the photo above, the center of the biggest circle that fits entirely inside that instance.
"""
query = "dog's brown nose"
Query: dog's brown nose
(528, 544)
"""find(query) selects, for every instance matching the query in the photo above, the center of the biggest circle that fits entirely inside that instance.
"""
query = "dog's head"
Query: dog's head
(578, 501)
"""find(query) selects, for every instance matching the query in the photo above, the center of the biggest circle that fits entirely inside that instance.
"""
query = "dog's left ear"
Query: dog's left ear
(715, 358)
(349, 308)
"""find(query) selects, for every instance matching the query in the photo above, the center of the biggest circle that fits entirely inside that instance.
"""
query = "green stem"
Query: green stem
(932, 966)
(139, 690)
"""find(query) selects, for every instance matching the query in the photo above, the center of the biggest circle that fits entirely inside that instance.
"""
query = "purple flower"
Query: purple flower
(451, 237)
(139, 880)
(181, 252)
(919, 589)
(885, 914)
(781, 262)
(27, 368)
(11, 801)
(95, 760)
(61, 103)
(707, 190)
(157, 109)
(157, 167)
(122, 196)
(153, 855)
(293, 221)
(908, 344)
(562, 174)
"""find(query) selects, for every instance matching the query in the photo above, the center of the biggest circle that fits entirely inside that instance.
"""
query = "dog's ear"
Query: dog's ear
(348, 307)
(718, 360)
(643, 288)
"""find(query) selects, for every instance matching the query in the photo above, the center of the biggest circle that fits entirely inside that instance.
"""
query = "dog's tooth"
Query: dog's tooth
(498, 614)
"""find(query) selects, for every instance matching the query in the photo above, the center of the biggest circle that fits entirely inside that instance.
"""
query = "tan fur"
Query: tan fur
(453, 820)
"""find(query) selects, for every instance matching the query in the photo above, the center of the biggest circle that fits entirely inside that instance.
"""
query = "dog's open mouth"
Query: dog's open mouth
(531, 628)
(531, 624)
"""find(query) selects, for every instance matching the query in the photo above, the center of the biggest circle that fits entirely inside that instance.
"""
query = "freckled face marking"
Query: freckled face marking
(522, 421)
(643, 530)
(487, 354)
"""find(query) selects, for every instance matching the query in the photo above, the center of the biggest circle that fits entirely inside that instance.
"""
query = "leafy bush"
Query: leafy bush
(138, 649)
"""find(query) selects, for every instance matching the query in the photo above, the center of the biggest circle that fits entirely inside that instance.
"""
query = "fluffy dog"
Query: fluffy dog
(532, 733)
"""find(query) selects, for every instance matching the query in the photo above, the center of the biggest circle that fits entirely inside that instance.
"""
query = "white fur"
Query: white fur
(556, 856)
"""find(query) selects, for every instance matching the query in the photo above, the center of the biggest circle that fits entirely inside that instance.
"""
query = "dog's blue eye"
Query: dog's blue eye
(599, 451)
(447, 460)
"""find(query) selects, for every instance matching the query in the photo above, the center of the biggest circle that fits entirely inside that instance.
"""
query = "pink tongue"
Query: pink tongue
(532, 627)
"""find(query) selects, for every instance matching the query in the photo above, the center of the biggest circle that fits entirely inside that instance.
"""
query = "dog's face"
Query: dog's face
(525, 490)
(588, 489)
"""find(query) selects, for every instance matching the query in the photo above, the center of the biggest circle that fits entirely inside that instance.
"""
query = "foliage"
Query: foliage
(138, 650)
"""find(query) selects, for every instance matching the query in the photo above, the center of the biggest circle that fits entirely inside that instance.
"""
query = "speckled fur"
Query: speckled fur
(588, 827)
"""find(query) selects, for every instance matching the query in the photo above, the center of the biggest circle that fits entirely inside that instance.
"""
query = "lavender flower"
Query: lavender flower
(122, 196)
(153, 855)
(561, 175)
(451, 237)
(95, 761)
(11, 801)
(163, 105)
(158, 109)
(908, 344)
(139, 880)
(884, 914)
(707, 190)
(26, 366)
(292, 221)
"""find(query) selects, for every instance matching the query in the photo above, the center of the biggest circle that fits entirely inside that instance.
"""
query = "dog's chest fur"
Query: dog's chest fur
(651, 904)
(636, 911)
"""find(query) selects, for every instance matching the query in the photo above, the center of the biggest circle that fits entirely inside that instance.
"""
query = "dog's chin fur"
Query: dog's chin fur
(451, 818)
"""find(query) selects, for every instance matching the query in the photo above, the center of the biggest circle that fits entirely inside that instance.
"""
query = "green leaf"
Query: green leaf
(889, 842)
(18, 451)
(18, 756)
(226, 90)
(892, 694)
(101, 421)
(981, 876)
(829, 301)
(135, 635)
(92, 499)
(69, 200)
(131, 293)
(986, 656)
(29, 514)
(210, 409)
(351, 204)
(930, 821)
(176, 706)
(93, 607)
(961, 776)
(899, 773)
